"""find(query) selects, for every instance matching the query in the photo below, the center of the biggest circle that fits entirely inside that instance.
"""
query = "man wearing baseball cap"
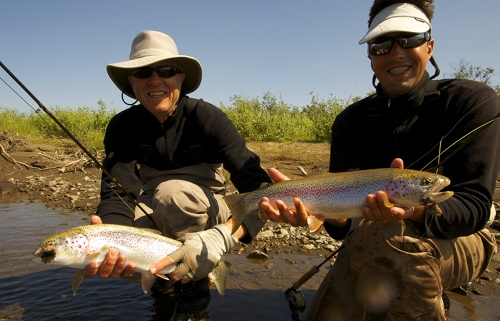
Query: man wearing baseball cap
(384, 272)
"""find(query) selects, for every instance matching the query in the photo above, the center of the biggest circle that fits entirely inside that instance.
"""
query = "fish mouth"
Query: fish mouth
(47, 256)
(435, 195)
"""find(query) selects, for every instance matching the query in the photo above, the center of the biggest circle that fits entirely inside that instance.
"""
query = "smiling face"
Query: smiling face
(400, 70)
(157, 94)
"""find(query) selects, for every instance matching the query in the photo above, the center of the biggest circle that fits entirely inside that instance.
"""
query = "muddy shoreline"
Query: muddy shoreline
(65, 177)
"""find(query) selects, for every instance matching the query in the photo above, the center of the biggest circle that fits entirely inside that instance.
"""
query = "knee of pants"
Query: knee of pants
(395, 274)
(180, 207)
(180, 194)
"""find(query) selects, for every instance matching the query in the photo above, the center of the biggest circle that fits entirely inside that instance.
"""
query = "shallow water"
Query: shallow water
(32, 291)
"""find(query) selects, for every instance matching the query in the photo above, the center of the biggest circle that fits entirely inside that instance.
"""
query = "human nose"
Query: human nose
(154, 77)
(397, 51)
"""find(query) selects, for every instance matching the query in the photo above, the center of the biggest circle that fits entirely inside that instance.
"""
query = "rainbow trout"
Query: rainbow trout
(342, 195)
(81, 245)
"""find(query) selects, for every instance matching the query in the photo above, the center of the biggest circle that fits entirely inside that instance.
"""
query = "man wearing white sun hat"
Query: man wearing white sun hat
(168, 152)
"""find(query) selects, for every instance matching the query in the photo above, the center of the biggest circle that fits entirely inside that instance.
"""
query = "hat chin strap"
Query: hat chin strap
(433, 62)
(128, 104)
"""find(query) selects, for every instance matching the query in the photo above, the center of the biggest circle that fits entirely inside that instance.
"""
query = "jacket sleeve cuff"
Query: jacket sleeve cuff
(253, 224)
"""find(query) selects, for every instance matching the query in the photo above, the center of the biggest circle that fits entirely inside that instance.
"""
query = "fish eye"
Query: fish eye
(426, 181)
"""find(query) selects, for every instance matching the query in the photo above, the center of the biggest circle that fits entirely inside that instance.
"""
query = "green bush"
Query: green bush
(86, 124)
(272, 120)
(14, 121)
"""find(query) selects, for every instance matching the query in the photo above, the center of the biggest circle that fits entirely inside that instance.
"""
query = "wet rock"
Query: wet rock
(257, 257)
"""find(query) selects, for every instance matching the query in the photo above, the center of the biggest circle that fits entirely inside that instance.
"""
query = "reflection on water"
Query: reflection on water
(32, 291)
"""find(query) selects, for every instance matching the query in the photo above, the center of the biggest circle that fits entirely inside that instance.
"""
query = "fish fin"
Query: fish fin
(315, 223)
(387, 203)
(147, 281)
(77, 280)
(218, 276)
(236, 207)
(162, 276)
(94, 255)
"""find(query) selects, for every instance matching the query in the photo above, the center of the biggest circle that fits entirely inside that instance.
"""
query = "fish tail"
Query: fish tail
(239, 212)
(219, 276)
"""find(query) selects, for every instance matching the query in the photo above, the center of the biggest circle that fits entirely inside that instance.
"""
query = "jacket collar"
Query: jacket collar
(413, 98)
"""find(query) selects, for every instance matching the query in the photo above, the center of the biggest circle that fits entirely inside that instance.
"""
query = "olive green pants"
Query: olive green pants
(381, 275)
(186, 200)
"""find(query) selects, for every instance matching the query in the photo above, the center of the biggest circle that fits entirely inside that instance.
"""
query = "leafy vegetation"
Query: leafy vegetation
(464, 69)
(272, 120)
(266, 119)
(84, 123)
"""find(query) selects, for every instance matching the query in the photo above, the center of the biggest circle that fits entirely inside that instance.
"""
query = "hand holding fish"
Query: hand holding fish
(113, 266)
(282, 213)
(385, 194)
(377, 208)
(199, 253)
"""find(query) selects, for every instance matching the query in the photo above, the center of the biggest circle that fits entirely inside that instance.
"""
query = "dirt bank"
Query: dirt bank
(65, 177)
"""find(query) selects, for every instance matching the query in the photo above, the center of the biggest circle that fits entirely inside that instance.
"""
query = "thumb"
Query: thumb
(276, 175)
(94, 219)
(397, 163)
(166, 261)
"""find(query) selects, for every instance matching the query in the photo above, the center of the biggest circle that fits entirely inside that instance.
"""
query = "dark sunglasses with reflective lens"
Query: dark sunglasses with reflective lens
(383, 45)
(163, 71)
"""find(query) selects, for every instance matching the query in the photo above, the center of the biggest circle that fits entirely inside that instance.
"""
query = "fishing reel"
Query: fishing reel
(296, 302)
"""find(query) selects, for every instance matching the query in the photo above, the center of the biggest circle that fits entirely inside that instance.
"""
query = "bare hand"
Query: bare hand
(280, 212)
(377, 210)
(113, 265)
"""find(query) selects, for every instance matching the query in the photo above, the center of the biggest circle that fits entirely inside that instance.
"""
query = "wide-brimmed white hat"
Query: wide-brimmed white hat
(150, 47)
(399, 17)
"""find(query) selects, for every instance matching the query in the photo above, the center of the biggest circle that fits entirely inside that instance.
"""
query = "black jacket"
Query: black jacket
(197, 133)
(432, 117)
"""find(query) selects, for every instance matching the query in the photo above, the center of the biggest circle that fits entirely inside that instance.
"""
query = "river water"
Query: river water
(33, 291)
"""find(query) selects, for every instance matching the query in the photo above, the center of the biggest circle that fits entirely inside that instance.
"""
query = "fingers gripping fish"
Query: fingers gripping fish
(82, 245)
(342, 195)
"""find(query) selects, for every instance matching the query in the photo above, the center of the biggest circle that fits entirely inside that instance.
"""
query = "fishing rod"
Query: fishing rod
(73, 138)
(296, 300)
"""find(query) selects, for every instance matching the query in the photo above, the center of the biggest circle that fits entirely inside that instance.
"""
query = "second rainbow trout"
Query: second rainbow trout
(342, 195)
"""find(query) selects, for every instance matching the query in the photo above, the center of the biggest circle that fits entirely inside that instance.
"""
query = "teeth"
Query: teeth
(156, 93)
(397, 71)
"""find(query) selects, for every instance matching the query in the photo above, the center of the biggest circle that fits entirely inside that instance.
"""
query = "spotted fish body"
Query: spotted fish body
(82, 245)
(342, 195)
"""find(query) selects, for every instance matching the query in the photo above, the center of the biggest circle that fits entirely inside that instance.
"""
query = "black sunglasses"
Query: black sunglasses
(383, 45)
(164, 72)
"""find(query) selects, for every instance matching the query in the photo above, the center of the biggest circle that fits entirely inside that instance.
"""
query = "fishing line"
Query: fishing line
(18, 95)
(37, 111)
(439, 144)
(73, 138)
(473, 134)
